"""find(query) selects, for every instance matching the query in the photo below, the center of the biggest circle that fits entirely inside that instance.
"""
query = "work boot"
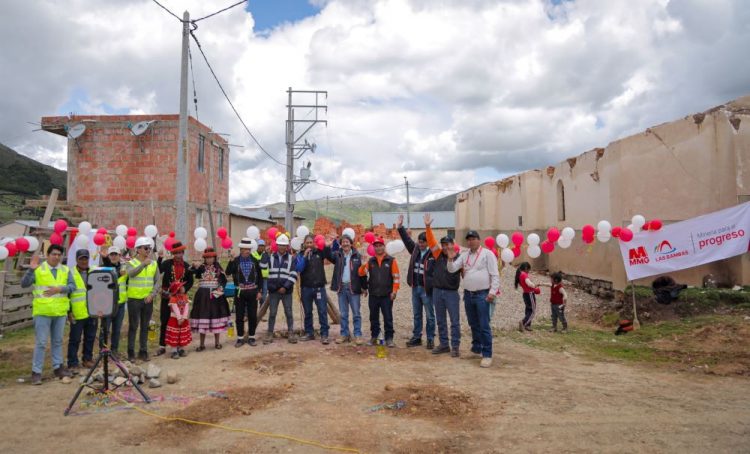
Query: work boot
(268, 339)
(520, 326)
(36, 379)
(342, 340)
(430, 344)
(239, 343)
(324, 340)
(61, 372)
(87, 364)
(486, 362)
(389, 343)
(251, 342)
(74, 370)
(292, 338)
(359, 341)
(441, 349)
(160, 351)
(373, 341)
(131, 356)
(307, 337)
(454, 353)
(413, 342)
(143, 356)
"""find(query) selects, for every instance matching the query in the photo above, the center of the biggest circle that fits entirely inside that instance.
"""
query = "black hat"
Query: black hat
(422, 237)
(446, 239)
(472, 233)
(82, 253)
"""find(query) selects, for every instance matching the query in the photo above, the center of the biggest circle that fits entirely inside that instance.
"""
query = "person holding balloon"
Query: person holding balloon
(481, 283)
(310, 266)
(530, 290)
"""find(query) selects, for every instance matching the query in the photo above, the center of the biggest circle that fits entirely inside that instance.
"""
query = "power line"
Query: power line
(220, 11)
(436, 189)
(192, 76)
(216, 78)
(167, 10)
(359, 190)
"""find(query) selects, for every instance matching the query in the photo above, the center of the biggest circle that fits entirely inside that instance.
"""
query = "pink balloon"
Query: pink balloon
(370, 237)
(22, 244)
(102, 230)
(517, 238)
(272, 233)
(222, 233)
(547, 246)
(553, 235)
(274, 247)
(494, 251)
(132, 232)
(12, 249)
(626, 235)
(371, 250)
(99, 239)
(517, 251)
(130, 241)
(60, 226)
(588, 230)
(656, 225)
(456, 248)
(489, 242)
(226, 243)
(320, 243)
(56, 238)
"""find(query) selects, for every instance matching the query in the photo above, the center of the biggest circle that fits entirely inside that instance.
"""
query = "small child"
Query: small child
(178, 328)
(558, 298)
(530, 290)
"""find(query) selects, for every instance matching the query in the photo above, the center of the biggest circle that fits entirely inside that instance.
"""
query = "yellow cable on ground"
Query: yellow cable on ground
(235, 429)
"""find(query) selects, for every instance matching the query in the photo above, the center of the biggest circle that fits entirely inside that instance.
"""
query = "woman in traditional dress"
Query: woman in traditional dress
(210, 312)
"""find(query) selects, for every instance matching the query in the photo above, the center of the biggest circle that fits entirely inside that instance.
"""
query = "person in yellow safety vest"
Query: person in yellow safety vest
(114, 323)
(52, 283)
(143, 286)
(81, 325)
(262, 256)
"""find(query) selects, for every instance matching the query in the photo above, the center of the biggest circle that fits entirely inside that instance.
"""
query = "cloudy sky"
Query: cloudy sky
(448, 93)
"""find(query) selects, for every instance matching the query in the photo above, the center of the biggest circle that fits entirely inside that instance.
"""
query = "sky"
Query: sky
(447, 93)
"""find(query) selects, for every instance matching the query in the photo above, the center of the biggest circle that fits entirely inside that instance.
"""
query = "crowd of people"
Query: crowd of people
(436, 271)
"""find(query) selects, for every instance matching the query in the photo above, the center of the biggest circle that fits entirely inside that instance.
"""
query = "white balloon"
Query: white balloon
(638, 221)
(603, 236)
(507, 255)
(200, 233)
(394, 247)
(502, 241)
(534, 251)
(302, 231)
(82, 241)
(296, 243)
(533, 239)
(253, 245)
(200, 244)
(120, 242)
(33, 243)
(253, 232)
(85, 227)
(3, 252)
(568, 233)
(151, 231)
(349, 232)
(564, 242)
(122, 230)
(151, 242)
(633, 228)
(604, 226)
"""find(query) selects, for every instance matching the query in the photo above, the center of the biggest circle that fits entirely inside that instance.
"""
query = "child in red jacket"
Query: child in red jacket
(530, 290)
(558, 298)
(178, 327)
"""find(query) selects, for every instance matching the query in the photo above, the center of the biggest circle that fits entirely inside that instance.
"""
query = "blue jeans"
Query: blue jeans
(265, 291)
(114, 325)
(478, 315)
(318, 295)
(48, 328)
(348, 299)
(419, 300)
(447, 301)
(85, 328)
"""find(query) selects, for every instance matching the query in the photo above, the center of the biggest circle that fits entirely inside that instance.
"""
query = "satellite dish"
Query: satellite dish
(140, 127)
(76, 131)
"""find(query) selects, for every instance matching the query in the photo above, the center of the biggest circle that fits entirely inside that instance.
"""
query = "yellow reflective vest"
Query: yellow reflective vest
(140, 286)
(122, 282)
(56, 305)
(78, 298)
(263, 270)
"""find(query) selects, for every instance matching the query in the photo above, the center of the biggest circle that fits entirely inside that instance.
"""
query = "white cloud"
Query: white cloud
(439, 91)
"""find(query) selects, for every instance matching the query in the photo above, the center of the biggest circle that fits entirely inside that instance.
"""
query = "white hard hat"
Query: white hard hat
(142, 241)
(282, 240)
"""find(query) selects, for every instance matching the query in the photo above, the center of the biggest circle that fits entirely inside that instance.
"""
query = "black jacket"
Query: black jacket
(235, 271)
(358, 283)
(311, 268)
(166, 267)
(439, 276)
(426, 262)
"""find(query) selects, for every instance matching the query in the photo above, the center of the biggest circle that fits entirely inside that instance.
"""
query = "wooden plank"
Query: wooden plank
(11, 304)
(19, 325)
(2, 300)
(11, 317)
(16, 289)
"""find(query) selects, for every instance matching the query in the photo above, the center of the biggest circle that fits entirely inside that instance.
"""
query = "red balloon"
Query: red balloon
(274, 247)
(370, 237)
(61, 225)
(553, 234)
(12, 249)
(320, 243)
(168, 243)
(588, 230)
(102, 230)
(547, 246)
(517, 251)
(626, 235)
(171, 234)
(226, 243)
(99, 239)
(589, 239)
(371, 250)
(655, 225)
(222, 233)
(130, 241)
(132, 231)
(22, 244)
(616, 231)
(517, 238)
(646, 226)
(489, 242)
(56, 238)
(494, 251)
(456, 248)
(272, 233)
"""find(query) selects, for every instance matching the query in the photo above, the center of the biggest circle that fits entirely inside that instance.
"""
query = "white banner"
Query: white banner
(685, 244)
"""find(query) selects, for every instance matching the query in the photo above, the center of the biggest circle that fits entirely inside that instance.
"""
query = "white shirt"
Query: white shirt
(480, 270)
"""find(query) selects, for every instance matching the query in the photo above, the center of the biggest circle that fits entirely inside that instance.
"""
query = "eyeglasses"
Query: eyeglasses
(147, 248)
(83, 258)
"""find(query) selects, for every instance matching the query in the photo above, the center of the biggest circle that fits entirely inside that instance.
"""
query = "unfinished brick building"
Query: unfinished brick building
(117, 177)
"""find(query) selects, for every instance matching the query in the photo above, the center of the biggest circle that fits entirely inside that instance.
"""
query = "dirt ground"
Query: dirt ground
(530, 400)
